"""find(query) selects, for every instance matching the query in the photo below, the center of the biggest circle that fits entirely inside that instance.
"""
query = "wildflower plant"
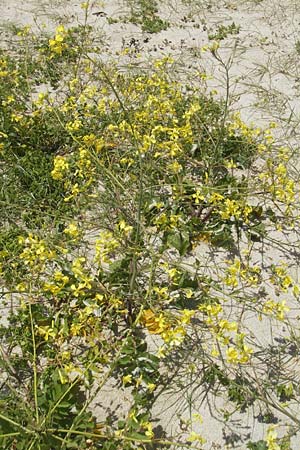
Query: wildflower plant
(159, 174)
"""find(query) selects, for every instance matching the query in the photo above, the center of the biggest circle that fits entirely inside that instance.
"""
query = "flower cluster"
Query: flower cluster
(58, 44)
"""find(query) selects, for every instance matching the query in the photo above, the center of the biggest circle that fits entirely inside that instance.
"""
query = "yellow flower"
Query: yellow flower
(276, 308)
(105, 247)
(215, 198)
(24, 31)
(57, 45)
(189, 293)
(229, 209)
(72, 230)
(156, 324)
(75, 329)
(245, 354)
(149, 432)
(175, 167)
(161, 352)
(229, 326)
(198, 196)
(74, 192)
(271, 439)
(127, 379)
(231, 165)
(74, 125)
(132, 415)
(124, 228)
(232, 355)
(195, 437)
(151, 387)
(296, 290)
(61, 166)
(214, 352)
(46, 332)
(186, 316)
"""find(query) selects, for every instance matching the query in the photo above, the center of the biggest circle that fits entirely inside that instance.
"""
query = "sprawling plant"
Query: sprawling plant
(145, 205)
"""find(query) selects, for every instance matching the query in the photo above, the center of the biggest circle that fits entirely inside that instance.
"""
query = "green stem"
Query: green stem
(35, 378)
(32, 443)
(84, 38)
(106, 377)
(12, 422)
(122, 438)
(9, 435)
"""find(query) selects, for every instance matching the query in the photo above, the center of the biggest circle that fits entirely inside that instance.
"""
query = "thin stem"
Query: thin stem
(9, 434)
(35, 377)
(121, 438)
(106, 377)
(12, 422)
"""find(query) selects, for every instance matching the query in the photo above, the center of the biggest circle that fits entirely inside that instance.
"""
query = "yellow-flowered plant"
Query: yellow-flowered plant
(130, 185)
(57, 44)
(60, 168)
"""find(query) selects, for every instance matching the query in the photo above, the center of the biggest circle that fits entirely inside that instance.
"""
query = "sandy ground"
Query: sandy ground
(262, 61)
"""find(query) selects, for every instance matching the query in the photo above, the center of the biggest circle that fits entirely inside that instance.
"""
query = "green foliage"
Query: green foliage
(59, 409)
(145, 14)
(158, 172)
(223, 31)
(259, 445)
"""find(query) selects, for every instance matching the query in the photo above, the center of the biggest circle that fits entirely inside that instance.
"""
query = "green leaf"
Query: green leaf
(259, 445)
(179, 241)
(137, 436)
